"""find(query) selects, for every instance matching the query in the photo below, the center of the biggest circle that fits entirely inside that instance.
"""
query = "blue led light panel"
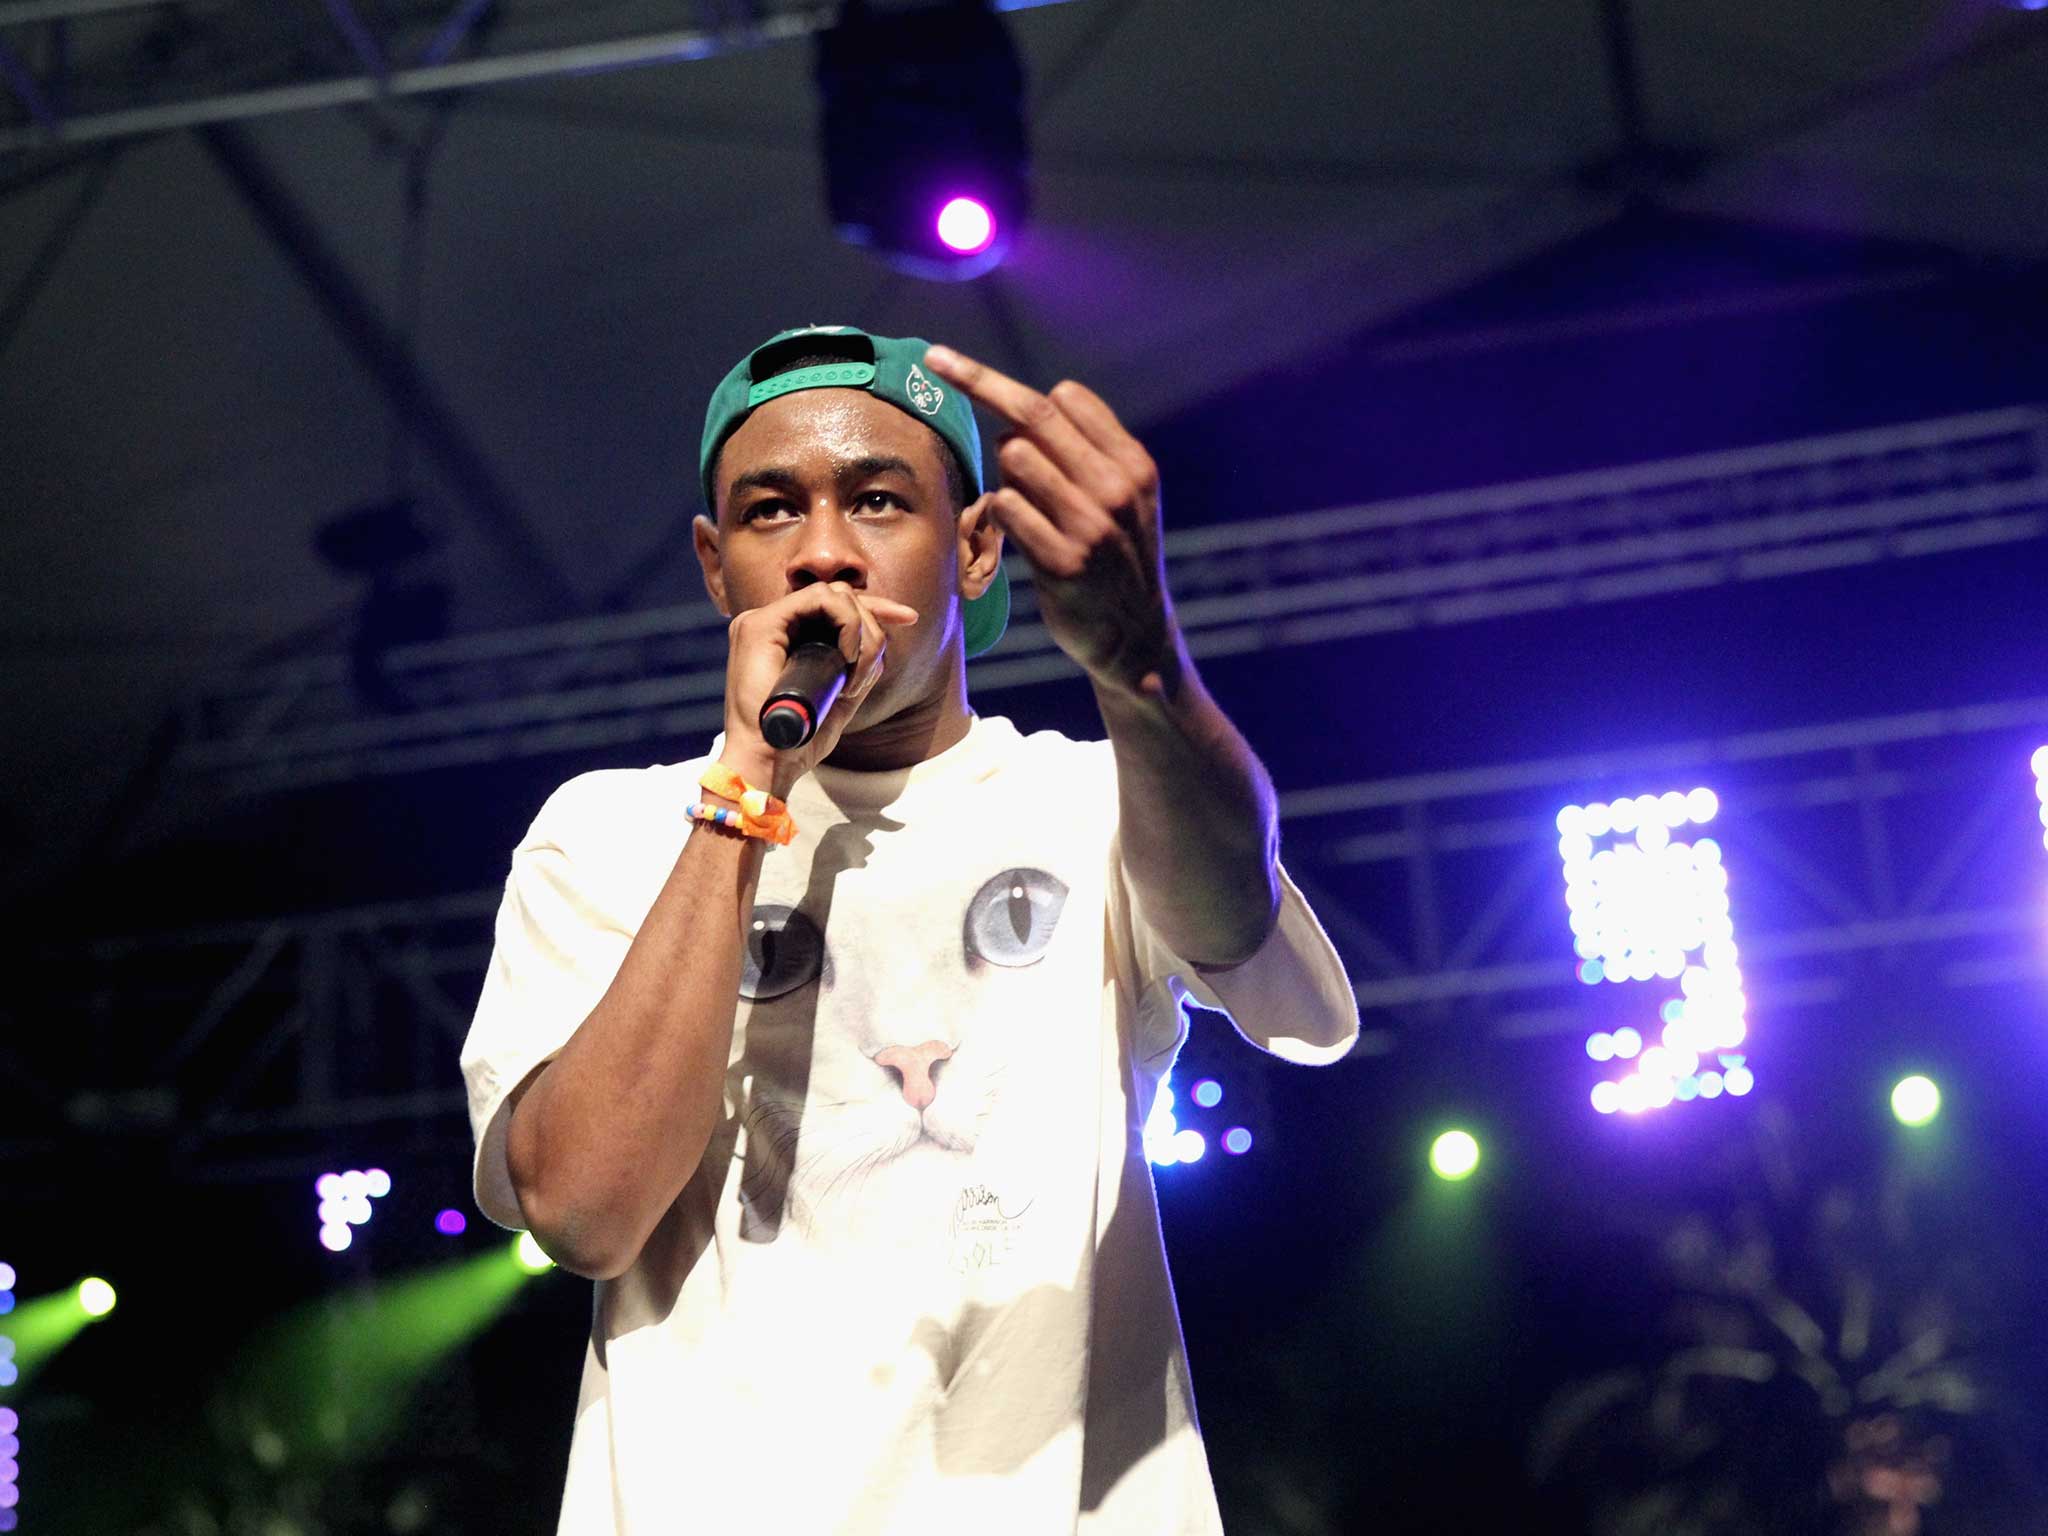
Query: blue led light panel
(1649, 907)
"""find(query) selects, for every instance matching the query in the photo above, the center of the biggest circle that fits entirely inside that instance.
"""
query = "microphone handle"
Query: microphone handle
(808, 687)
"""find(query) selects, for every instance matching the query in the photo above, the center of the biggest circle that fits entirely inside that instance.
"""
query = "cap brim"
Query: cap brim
(984, 618)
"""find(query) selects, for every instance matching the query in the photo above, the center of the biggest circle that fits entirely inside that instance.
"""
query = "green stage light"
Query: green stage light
(96, 1296)
(43, 1325)
(1916, 1100)
(532, 1259)
(338, 1374)
(1453, 1155)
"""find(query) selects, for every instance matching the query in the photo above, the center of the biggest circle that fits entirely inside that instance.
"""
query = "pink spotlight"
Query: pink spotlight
(966, 225)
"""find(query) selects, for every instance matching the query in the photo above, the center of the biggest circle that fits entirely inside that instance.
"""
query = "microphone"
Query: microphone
(811, 679)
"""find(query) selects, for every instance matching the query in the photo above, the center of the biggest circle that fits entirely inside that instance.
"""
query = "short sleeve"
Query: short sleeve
(1291, 998)
(555, 953)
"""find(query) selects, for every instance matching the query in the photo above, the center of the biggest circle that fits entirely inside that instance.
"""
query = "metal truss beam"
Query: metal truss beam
(1864, 855)
(429, 77)
(1747, 514)
(1849, 843)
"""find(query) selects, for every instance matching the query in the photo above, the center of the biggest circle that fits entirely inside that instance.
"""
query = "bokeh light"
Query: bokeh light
(1208, 1093)
(1915, 1100)
(530, 1256)
(96, 1296)
(1237, 1141)
(2039, 763)
(451, 1223)
(966, 225)
(345, 1202)
(1646, 906)
(1454, 1155)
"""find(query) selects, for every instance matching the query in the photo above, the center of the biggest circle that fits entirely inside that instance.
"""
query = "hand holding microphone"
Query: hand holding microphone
(810, 683)
(797, 670)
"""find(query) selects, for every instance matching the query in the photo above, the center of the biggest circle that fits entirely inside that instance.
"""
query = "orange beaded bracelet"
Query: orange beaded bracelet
(761, 814)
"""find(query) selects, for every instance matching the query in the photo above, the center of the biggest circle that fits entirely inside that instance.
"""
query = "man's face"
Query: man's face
(835, 485)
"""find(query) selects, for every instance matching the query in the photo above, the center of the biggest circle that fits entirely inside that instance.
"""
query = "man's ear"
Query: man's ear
(704, 534)
(981, 547)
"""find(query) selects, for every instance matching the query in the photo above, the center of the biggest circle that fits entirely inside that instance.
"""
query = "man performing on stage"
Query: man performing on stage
(830, 1064)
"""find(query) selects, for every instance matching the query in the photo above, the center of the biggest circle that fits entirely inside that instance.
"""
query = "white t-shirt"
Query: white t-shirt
(917, 1282)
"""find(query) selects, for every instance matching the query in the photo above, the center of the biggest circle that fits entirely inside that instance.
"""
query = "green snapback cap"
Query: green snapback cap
(890, 368)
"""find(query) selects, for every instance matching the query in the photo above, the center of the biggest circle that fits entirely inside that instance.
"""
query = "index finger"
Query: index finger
(1037, 416)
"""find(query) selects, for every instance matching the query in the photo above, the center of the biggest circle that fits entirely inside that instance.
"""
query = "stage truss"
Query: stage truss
(1749, 514)
(98, 71)
(1872, 860)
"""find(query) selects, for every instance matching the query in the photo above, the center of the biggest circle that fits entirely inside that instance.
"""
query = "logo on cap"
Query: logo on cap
(924, 394)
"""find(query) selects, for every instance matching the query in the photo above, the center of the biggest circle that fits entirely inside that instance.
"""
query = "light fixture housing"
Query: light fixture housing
(923, 110)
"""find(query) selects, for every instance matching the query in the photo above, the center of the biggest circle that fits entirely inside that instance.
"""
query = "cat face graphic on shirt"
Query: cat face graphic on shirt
(875, 1062)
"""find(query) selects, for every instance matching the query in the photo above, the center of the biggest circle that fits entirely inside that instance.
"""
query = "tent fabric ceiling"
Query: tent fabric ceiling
(1222, 190)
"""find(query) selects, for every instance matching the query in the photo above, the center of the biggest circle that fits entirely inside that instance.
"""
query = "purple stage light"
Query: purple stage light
(451, 1223)
(966, 226)
(1237, 1140)
(1208, 1093)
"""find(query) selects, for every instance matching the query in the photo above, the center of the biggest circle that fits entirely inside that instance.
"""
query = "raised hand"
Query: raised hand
(1081, 498)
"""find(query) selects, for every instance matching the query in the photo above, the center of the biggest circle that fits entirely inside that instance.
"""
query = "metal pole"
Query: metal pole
(670, 47)
(22, 81)
(391, 364)
(580, 59)
(23, 12)
(368, 51)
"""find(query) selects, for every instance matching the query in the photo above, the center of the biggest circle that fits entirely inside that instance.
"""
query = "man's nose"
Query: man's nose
(915, 1065)
(827, 551)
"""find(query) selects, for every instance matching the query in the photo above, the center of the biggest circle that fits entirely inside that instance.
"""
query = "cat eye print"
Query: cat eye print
(784, 951)
(1011, 918)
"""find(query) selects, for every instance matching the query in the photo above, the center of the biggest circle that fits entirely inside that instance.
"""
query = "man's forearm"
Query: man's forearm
(1199, 829)
(604, 1138)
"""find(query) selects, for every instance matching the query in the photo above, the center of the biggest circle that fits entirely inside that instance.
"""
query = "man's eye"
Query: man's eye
(784, 951)
(1011, 918)
(761, 510)
(879, 500)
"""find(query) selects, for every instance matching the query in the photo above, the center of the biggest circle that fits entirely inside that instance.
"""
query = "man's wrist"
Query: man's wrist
(1163, 688)
(761, 768)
